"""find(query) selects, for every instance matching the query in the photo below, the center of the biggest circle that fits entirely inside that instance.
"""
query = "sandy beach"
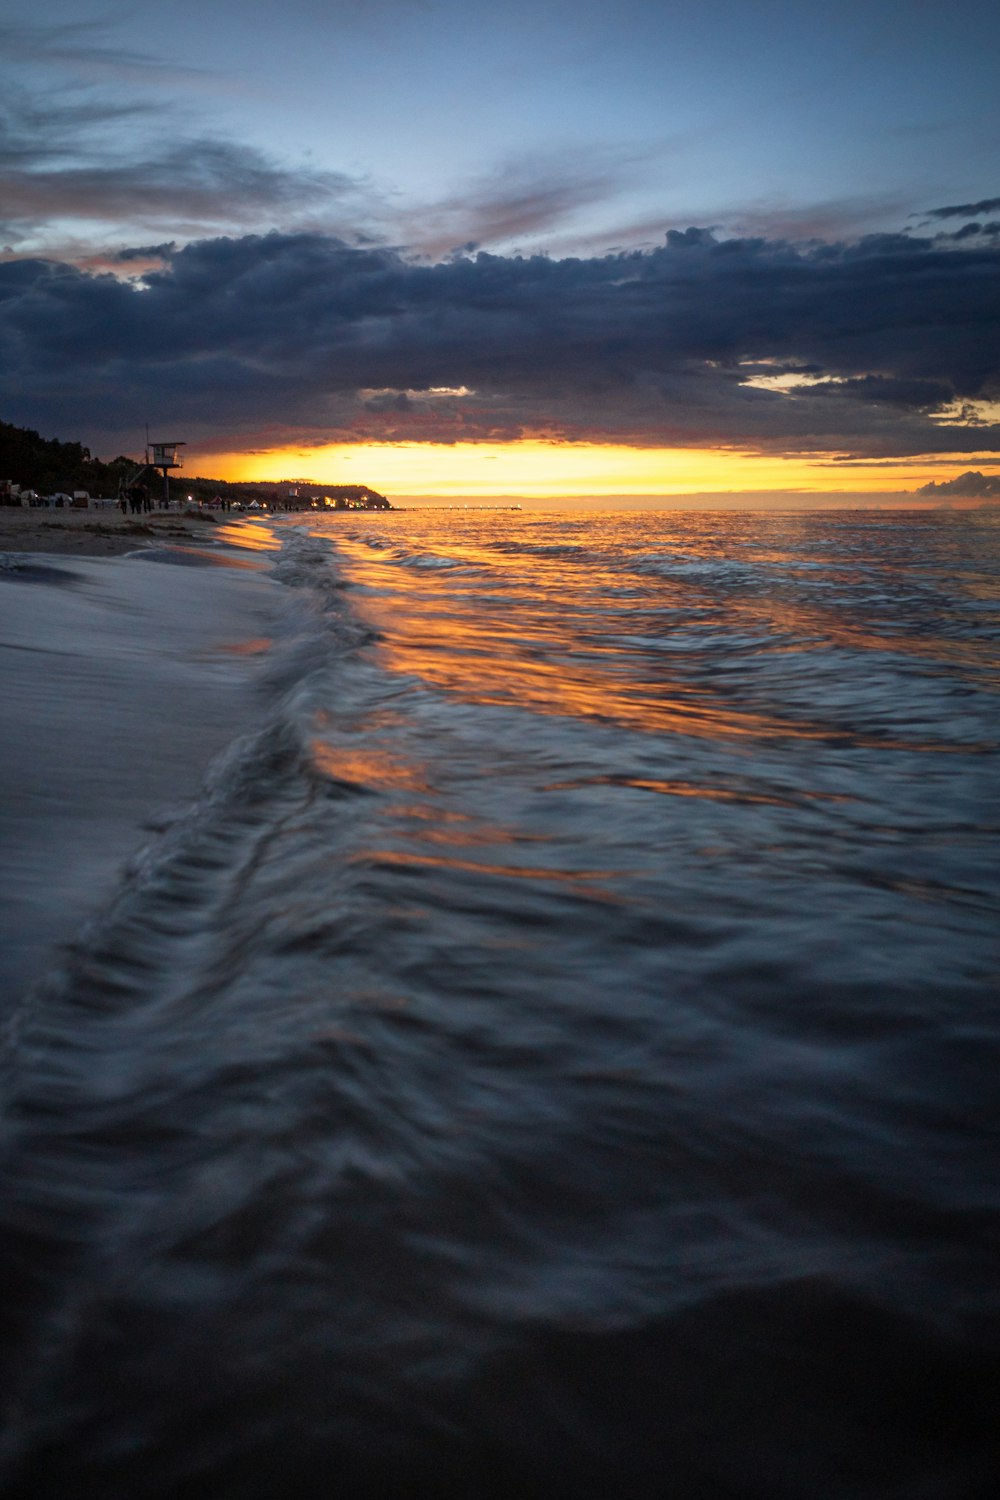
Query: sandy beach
(96, 533)
(122, 676)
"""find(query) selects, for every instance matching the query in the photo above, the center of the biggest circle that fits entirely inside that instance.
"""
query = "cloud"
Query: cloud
(83, 160)
(81, 44)
(187, 186)
(971, 484)
(519, 200)
(964, 210)
(975, 230)
(905, 395)
(73, 161)
(825, 219)
(883, 344)
(36, 133)
(146, 253)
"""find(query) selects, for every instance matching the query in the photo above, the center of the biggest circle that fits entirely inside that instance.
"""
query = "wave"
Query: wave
(432, 1108)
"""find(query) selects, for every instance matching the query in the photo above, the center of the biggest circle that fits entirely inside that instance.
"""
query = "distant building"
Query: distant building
(360, 502)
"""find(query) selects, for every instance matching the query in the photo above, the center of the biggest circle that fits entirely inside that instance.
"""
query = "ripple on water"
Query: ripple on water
(555, 1046)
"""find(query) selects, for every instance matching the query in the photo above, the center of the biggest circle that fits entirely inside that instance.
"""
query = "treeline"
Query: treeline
(48, 465)
(279, 493)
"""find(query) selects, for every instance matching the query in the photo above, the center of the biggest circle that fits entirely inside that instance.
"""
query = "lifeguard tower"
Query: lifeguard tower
(164, 456)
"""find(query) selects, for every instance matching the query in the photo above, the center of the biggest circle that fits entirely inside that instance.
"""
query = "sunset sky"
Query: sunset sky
(547, 249)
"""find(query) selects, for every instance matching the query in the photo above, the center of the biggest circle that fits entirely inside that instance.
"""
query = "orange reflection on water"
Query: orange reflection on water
(676, 789)
(255, 536)
(488, 661)
(572, 879)
(429, 811)
(630, 638)
(255, 646)
(478, 836)
(369, 767)
(218, 559)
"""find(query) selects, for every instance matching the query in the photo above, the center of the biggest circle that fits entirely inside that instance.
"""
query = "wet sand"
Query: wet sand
(97, 533)
(120, 680)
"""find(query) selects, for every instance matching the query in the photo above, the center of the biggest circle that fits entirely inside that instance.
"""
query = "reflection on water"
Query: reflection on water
(556, 1054)
(615, 627)
(258, 538)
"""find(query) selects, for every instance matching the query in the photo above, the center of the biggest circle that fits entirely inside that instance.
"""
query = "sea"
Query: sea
(549, 1047)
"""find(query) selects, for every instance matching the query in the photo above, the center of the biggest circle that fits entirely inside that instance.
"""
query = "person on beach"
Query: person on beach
(137, 498)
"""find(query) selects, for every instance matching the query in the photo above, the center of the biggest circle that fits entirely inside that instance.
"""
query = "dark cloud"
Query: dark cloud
(321, 339)
(186, 186)
(964, 210)
(199, 182)
(910, 395)
(145, 253)
(972, 231)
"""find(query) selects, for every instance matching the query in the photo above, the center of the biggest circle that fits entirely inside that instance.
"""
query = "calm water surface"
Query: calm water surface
(557, 1053)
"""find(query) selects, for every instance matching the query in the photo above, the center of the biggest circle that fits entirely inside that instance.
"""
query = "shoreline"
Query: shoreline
(123, 679)
(101, 533)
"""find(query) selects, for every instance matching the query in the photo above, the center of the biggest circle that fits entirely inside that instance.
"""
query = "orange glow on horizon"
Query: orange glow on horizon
(541, 470)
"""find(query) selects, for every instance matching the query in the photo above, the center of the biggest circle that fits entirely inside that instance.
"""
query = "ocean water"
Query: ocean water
(555, 1051)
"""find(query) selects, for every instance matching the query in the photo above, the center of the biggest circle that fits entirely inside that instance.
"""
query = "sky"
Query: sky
(550, 248)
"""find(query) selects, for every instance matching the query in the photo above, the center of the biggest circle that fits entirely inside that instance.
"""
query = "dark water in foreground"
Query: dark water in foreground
(557, 1054)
